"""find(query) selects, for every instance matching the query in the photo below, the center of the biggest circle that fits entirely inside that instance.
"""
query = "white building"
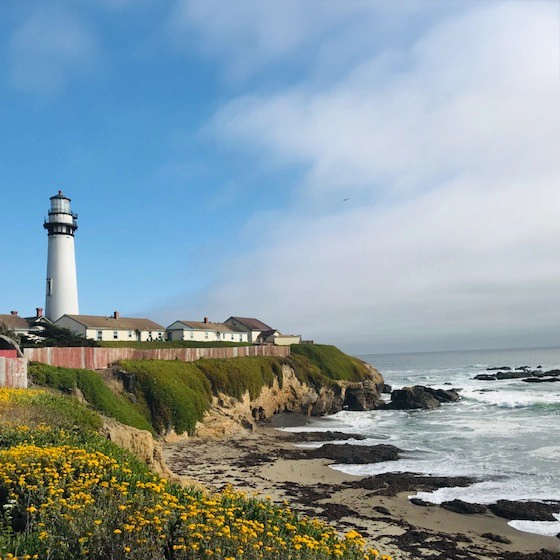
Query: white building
(205, 331)
(62, 283)
(280, 339)
(15, 323)
(113, 327)
(260, 333)
(253, 327)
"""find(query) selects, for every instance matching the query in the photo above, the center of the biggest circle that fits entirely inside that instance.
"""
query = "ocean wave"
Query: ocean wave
(545, 528)
(547, 452)
(513, 399)
(490, 491)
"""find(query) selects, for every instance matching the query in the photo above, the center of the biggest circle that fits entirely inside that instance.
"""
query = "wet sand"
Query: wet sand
(263, 461)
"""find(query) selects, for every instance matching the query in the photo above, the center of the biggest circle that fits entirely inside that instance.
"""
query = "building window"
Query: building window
(129, 334)
(192, 335)
(205, 335)
(232, 337)
(160, 336)
(99, 335)
(115, 335)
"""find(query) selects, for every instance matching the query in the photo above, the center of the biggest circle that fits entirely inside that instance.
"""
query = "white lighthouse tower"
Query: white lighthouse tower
(62, 285)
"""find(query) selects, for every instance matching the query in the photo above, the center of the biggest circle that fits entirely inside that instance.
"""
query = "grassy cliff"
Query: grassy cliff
(331, 362)
(164, 395)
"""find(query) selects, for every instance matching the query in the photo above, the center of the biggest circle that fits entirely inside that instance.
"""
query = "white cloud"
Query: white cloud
(252, 34)
(49, 50)
(448, 151)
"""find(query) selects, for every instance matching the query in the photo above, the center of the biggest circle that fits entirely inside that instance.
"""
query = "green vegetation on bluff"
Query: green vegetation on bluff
(94, 389)
(172, 394)
(163, 395)
(332, 362)
(175, 394)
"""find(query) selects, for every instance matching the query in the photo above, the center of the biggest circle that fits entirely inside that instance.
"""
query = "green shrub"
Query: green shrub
(94, 389)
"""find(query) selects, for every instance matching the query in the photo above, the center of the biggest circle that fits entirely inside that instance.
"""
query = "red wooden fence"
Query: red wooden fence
(100, 358)
(13, 372)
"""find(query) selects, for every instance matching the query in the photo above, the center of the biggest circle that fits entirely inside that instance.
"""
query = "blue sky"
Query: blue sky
(209, 148)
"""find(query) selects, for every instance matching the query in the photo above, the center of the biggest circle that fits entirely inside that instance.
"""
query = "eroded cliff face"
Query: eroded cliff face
(228, 415)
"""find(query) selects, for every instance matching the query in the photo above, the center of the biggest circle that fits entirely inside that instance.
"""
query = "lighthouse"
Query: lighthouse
(62, 285)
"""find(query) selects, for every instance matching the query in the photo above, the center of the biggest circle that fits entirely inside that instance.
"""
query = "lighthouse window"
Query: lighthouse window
(49, 286)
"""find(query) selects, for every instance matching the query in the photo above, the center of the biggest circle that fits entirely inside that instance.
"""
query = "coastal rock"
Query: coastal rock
(523, 373)
(412, 398)
(386, 389)
(511, 374)
(528, 511)
(391, 484)
(140, 443)
(459, 506)
(355, 454)
(444, 395)
(304, 437)
(496, 538)
(504, 368)
(420, 397)
(541, 379)
(419, 502)
(362, 397)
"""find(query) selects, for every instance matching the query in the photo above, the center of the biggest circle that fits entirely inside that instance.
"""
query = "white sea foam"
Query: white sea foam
(435, 467)
(546, 528)
(547, 452)
(512, 399)
(487, 492)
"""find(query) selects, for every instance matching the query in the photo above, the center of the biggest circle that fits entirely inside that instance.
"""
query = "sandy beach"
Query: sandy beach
(267, 461)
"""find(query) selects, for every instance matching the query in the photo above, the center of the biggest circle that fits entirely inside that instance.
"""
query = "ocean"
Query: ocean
(505, 433)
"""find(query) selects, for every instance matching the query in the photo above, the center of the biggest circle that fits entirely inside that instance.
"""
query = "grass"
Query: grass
(174, 394)
(33, 407)
(155, 344)
(237, 376)
(331, 362)
(94, 390)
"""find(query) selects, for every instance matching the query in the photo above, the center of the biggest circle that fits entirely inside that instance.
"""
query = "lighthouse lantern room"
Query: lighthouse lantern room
(62, 284)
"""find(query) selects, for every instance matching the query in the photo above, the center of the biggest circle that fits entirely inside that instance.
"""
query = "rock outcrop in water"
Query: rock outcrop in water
(524, 373)
(421, 397)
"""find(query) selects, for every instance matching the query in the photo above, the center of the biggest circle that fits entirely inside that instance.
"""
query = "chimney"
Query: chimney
(116, 315)
(14, 313)
(205, 319)
(39, 312)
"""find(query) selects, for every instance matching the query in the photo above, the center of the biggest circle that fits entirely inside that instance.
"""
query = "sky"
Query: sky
(380, 175)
